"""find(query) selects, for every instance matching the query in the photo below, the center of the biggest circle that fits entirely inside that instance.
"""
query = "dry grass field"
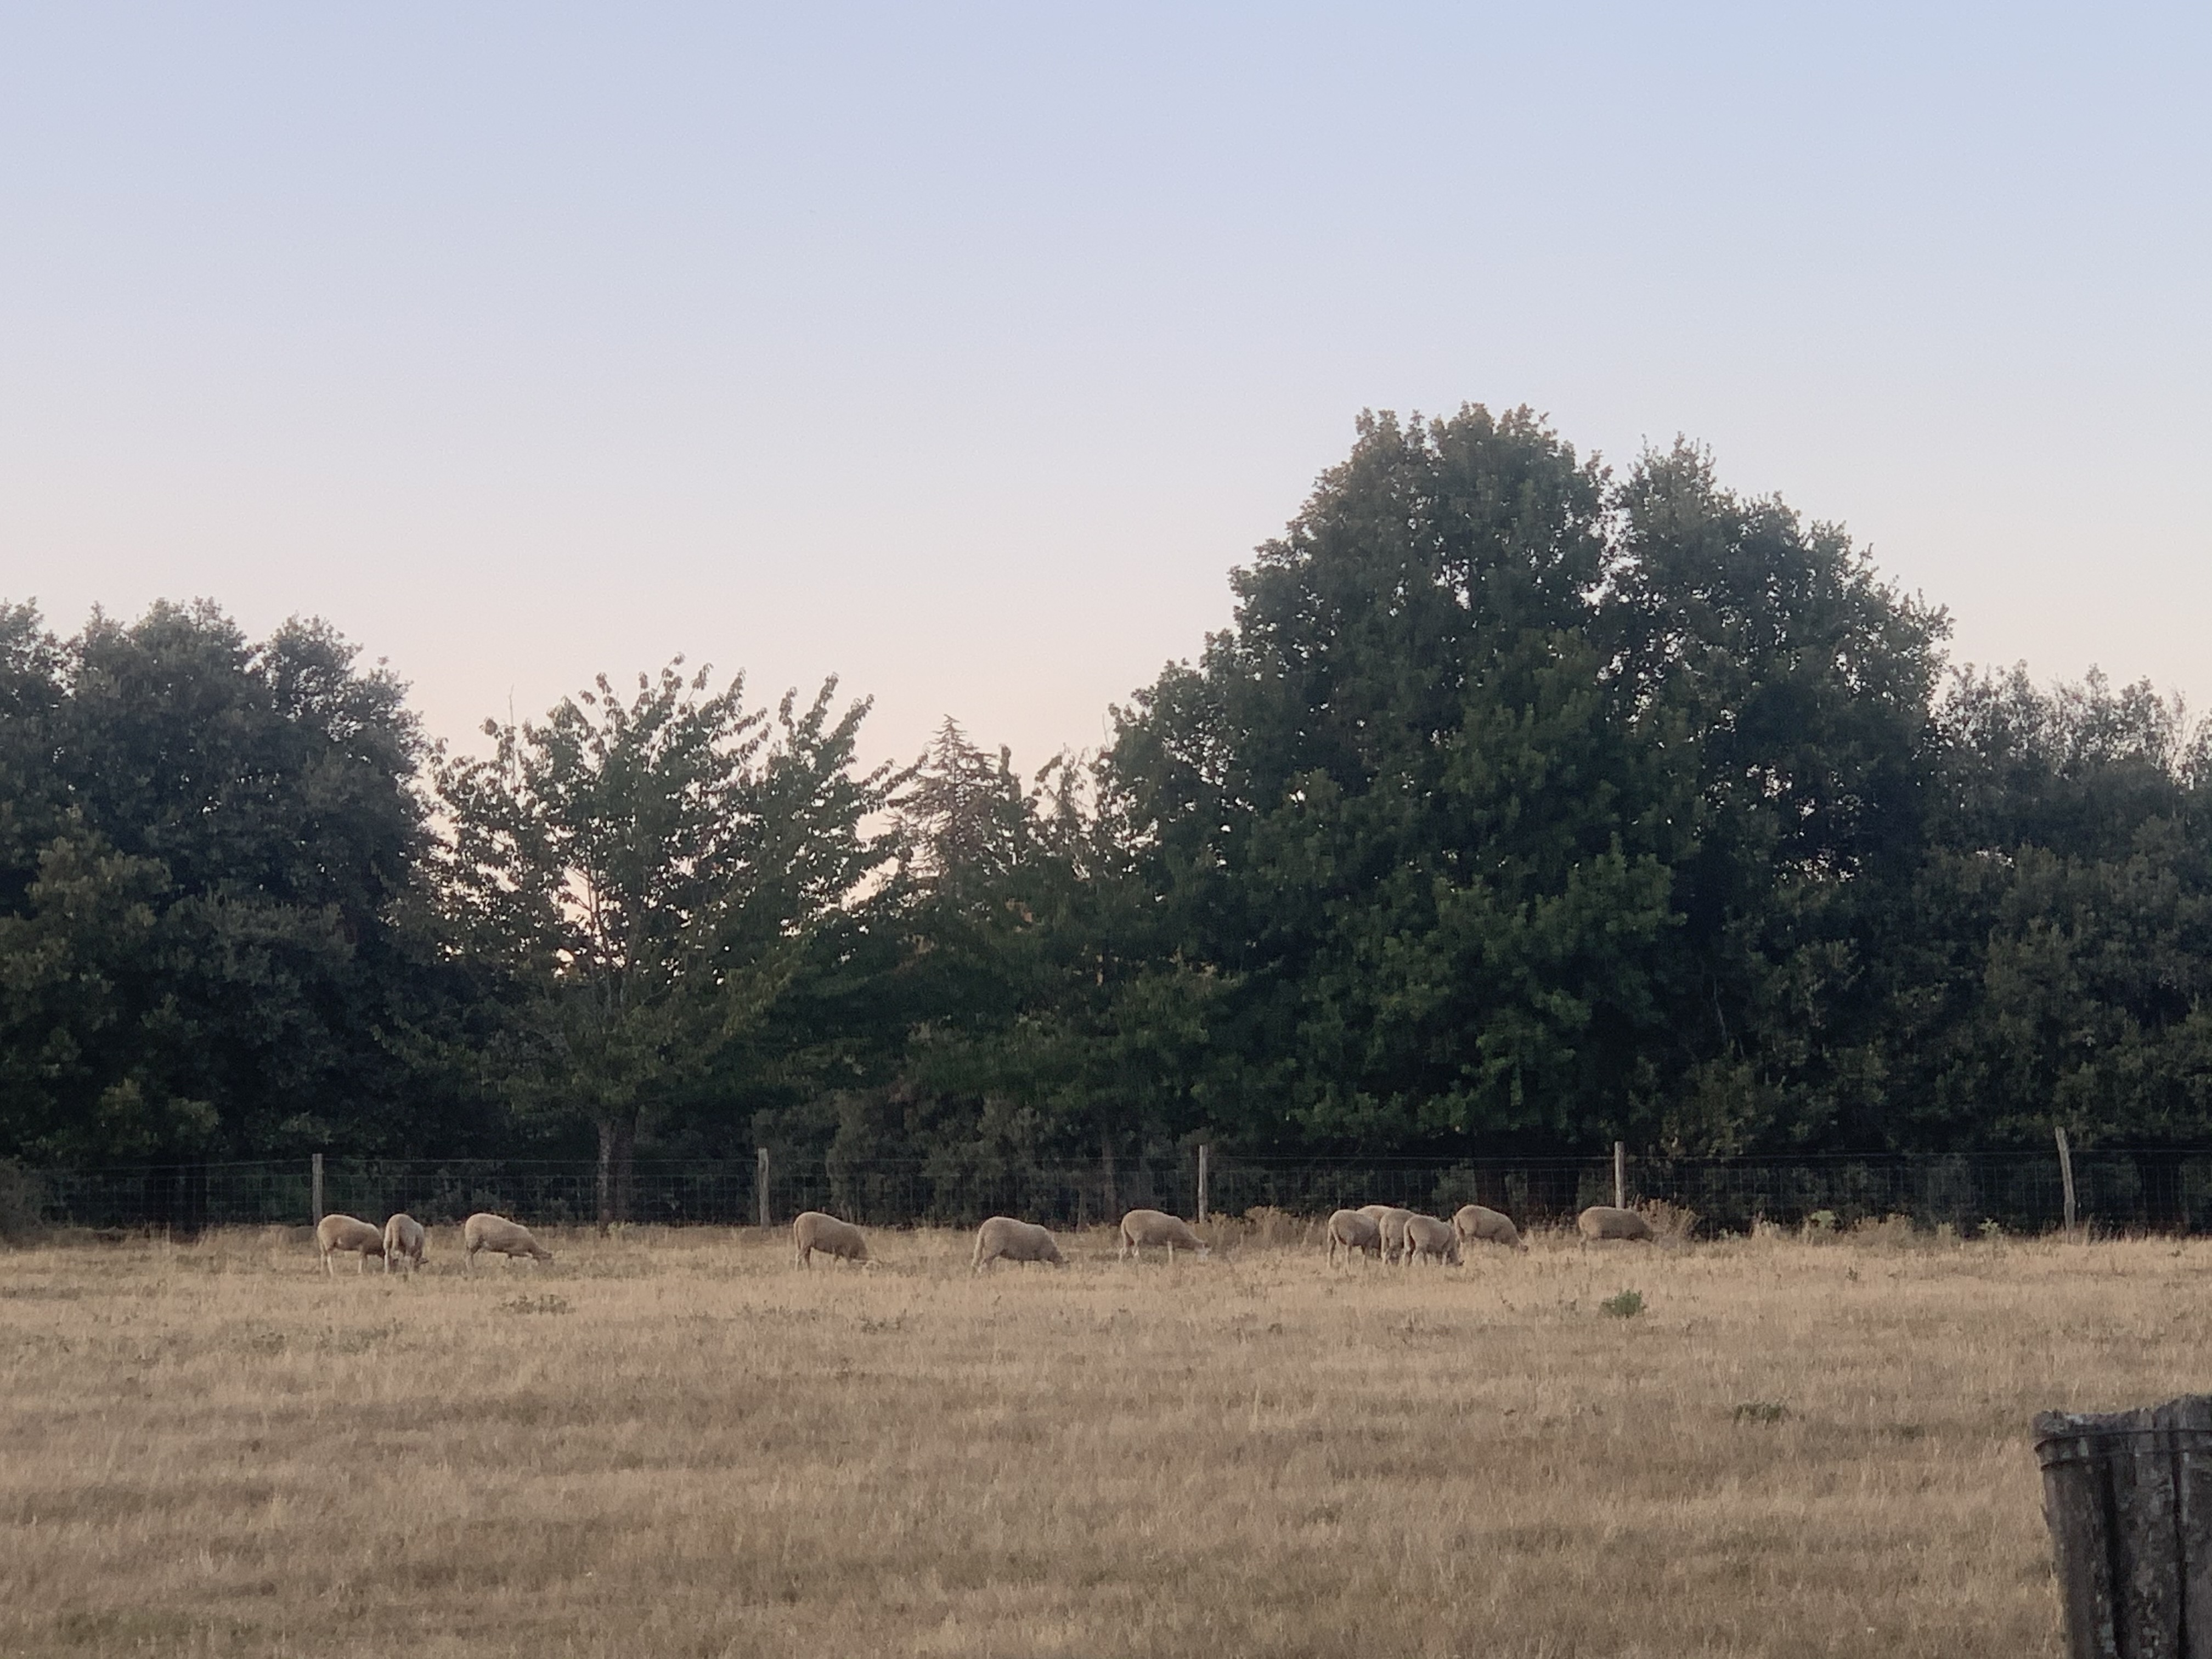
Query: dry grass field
(679, 1443)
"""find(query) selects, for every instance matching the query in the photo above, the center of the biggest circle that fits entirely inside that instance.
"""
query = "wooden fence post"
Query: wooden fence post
(1201, 1182)
(2066, 1173)
(315, 1184)
(760, 1194)
(1619, 1175)
(2127, 1498)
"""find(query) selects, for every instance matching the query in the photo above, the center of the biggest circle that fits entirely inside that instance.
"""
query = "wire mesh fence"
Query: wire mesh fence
(2162, 1190)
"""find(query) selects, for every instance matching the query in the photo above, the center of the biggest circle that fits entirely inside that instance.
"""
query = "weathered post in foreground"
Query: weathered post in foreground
(760, 1184)
(2066, 1173)
(2128, 1497)
(1619, 1175)
(315, 1187)
(1201, 1182)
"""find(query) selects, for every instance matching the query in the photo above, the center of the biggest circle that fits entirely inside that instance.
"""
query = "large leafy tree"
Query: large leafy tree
(1525, 808)
(1797, 689)
(206, 842)
(1060, 1016)
(1403, 807)
(658, 874)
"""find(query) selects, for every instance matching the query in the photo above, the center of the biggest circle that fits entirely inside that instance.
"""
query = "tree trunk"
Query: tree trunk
(1112, 1197)
(626, 1170)
(606, 1183)
(617, 1171)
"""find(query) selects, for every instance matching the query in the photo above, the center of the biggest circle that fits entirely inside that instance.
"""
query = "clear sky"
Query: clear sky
(961, 350)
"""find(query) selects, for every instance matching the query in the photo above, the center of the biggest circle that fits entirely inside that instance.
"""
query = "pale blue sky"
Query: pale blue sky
(961, 350)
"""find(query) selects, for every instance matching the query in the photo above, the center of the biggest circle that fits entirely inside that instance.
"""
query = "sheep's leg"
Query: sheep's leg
(329, 1271)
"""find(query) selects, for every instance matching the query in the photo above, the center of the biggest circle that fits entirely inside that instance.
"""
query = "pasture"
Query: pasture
(680, 1443)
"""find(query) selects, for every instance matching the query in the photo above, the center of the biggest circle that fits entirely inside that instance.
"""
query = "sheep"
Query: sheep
(486, 1231)
(1426, 1236)
(404, 1239)
(1353, 1231)
(812, 1230)
(335, 1233)
(1391, 1219)
(1392, 1225)
(1002, 1237)
(1143, 1227)
(1473, 1222)
(1603, 1221)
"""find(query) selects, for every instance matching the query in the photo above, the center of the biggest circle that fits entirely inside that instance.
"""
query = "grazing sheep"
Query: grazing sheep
(812, 1230)
(335, 1233)
(1603, 1221)
(1392, 1225)
(404, 1239)
(1004, 1238)
(1426, 1236)
(486, 1231)
(1473, 1222)
(1143, 1227)
(1353, 1231)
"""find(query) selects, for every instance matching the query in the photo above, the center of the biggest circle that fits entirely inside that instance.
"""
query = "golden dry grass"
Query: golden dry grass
(679, 1443)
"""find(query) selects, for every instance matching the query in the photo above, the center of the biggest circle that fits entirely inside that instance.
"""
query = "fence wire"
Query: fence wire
(2160, 1190)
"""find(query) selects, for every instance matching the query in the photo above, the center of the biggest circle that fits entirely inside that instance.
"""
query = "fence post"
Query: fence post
(2066, 1173)
(760, 1192)
(315, 1181)
(2127, 1498)
(1201, 1182)
(1619, 1175)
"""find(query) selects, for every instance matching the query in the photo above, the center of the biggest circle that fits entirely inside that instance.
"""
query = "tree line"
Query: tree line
(1520, 807)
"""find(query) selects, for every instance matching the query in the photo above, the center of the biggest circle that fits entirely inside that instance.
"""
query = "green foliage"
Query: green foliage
(1763, 1412)
(204, 839)
(1520, 807)
(1626, 1305)
(662, 878)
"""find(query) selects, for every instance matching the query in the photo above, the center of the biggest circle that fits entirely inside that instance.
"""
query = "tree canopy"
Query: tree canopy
(1518, 807)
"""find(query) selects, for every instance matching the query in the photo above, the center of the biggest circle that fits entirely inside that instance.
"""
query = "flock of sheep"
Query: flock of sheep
(1381, 1231)
(402, 1239)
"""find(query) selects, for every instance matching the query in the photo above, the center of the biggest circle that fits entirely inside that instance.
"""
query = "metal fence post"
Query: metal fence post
(2066, 1173)
(315, 1181)
(1619, 1175)
(1201, 1182)
(760, 1193)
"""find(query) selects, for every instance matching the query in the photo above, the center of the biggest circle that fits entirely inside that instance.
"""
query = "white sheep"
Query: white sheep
(404, 1239)
(1602, 1221)
(812, 1230)
(486, 1231)
(1353, 1231)
(336, 1233)
(1391, 1219)
(1426, 1236)
(1392, 1225)
(1474, 1222)
(1143, 1227)
(1004, 1238)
